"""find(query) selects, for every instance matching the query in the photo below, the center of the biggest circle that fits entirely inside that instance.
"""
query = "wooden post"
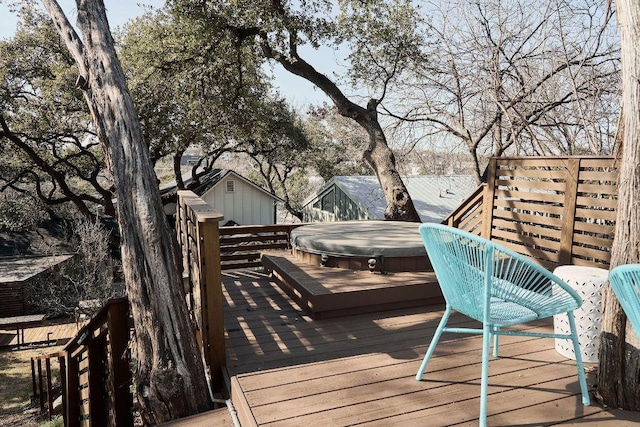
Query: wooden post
(200, 228)
(569, 211)
(73, 394)
(63, 385)
(98, 412)
(33, 378)
(47, 365)
(489, 194)
(118, 326)
(40, 391)
(212, 300)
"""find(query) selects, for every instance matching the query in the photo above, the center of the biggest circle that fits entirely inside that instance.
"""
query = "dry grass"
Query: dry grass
(16, 386)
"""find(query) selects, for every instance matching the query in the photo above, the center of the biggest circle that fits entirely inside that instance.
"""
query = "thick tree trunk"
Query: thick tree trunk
(619, 367)
(382, 160)
(169, 375)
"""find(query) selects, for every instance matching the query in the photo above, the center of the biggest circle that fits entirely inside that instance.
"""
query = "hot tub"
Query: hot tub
(394, 245)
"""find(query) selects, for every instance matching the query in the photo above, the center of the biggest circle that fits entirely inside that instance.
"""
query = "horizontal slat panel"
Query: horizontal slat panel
(591, 253)
(539, 173)
(526, 228)
(531, 207)
(530, 196)
(534, 219)
(539, 185)
(611, 202)
(598, 175)
(597, 188)
(595, 214)
(592, 240)
(526, 240)
(589, 227)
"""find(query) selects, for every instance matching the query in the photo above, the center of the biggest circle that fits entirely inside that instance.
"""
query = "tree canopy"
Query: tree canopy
(48, 145)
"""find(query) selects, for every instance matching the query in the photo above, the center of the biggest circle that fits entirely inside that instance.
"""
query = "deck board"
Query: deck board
(290, 370)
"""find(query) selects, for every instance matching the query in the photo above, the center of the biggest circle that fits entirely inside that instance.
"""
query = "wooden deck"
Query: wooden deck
(286, 369)
(51, 332)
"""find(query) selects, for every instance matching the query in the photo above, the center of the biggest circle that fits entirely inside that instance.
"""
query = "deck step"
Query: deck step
(325, 292)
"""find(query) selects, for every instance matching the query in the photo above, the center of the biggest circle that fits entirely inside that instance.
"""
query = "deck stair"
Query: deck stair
(325, 292)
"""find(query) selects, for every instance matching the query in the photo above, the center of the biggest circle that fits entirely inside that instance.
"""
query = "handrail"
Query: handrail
(98, 377)
(197, 227)
(468, 215)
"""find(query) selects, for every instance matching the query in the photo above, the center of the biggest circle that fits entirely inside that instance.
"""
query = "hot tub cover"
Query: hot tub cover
(360, 239)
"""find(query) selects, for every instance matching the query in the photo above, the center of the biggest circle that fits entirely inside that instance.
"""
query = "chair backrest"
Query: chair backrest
(472, 270)
(625, 282)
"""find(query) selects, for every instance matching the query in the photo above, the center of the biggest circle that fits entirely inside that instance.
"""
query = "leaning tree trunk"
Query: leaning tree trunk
(169, 377)
(378, 155)
(619, 369)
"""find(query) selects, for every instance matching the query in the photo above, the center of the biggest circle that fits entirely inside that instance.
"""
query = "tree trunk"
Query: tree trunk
(378, 155)
(169, 376)
(382, 160)
(619, 367)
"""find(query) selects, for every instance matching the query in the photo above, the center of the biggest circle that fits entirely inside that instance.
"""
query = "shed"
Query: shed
(15, 275)
(240, 200)
(346, 198)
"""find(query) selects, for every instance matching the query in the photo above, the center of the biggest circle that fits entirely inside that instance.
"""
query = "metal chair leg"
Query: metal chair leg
(576, 349)
(434, 342)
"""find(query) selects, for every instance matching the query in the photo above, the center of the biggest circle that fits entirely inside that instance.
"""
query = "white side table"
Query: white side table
(588, 282)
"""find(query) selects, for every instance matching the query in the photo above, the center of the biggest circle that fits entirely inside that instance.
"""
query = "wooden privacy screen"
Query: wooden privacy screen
(558, 210)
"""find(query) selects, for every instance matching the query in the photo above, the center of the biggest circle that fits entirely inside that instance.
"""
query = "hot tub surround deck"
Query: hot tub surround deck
(332, 292)
(352, 267)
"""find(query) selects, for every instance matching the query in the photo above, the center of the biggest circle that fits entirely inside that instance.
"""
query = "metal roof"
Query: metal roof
(434, 196)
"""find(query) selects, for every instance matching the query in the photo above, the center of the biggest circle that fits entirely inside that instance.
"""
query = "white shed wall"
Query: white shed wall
(246, 205)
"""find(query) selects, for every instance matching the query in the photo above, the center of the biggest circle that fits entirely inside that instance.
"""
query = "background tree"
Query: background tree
(279, 28)
(338, 143)
(619, 366)
(169, 375)
(86, 277)
(510, 78)
(195, 92)
(48, 148)
(189, 90)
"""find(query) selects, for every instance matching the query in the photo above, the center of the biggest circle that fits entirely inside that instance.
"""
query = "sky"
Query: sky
(299, 92)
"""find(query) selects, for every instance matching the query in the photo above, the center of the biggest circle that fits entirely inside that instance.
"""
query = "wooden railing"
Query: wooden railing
(468, 216)
(197, 226)
(98, 378)
(42, 380)
(240, 246)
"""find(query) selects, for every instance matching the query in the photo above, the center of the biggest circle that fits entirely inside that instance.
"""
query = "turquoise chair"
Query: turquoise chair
(625, 282)
(499, 288)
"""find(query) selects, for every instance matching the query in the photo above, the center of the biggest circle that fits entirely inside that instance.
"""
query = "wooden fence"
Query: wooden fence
(558, 210)
(197, 227)
(240, 246)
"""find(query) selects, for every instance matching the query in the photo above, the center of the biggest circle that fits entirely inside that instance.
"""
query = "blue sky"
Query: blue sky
(297, 90)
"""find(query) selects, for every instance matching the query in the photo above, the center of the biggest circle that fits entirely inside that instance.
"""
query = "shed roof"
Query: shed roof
(210, 180)
(434, 196)
(214, 177)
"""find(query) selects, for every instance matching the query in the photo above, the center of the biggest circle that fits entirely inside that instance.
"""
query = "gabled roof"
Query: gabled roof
(434, 196)
(215, 176)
